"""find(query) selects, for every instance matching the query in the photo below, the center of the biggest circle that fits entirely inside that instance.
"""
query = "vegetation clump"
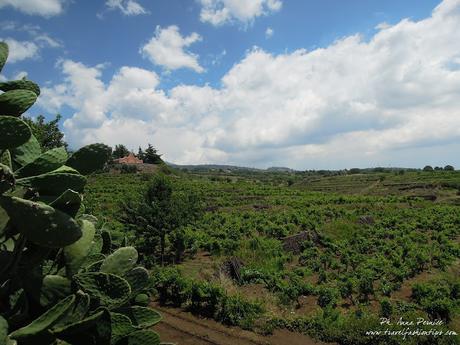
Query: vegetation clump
(62, 280)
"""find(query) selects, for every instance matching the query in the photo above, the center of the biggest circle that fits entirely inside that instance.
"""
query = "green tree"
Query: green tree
(48, 134)
(151, 156)
(160, 212)
(140, 153)
(120, 151)
(449, 168)
(428, 168)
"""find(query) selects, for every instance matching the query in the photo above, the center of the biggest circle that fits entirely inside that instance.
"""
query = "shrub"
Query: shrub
(327, 297)
(236, 311)
(386, 308)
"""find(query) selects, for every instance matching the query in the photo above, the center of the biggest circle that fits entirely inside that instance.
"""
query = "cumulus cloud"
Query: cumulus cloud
(354, 102)
(219, 12)
(30, 48)
(167, 48)
(45, 8)
(127, 7)
(21, 50)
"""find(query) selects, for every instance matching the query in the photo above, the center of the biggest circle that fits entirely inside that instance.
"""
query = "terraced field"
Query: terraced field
(373, 245)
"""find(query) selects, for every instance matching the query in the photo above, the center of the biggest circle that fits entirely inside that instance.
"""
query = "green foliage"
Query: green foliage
(386, 308)
(150, 155)
(120, 151)
(159, 213)
(439, 298)
(90, 158)
(204, 298)
(48, 133)
(51, 290)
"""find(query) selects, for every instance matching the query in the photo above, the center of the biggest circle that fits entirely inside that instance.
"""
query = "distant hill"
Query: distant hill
(227, 168)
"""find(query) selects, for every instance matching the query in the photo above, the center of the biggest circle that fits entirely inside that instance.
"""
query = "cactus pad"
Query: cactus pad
(22, 84)
(90, 158)
(27, 152)
(54, 183)
(53, 289)
(78, 326)
(142, 317)
(3, 54)
(76, 253)
(146, 337)
(6, 178)
(120, 261)
(5, 159)
(46, 162)
(107, 289)
(142, 300)
(41, 224)
(16, 102)
(138, 279)
(89, 218)
(121, 327)
(13, 132)
(78, 311)
(68, 202)
(3, 330)
(94, 267)
(45, 321)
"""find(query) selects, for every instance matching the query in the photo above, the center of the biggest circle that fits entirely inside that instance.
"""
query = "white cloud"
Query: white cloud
(30, 48)
(219, 12)
(127, 7)
(269, 33)
(167, 48)
(45, 8)
(21, 50)
(392, 99)
(47, 41)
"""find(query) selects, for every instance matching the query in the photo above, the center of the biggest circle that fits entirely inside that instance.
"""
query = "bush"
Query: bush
(128, 169)
(235, 311)
(327, 297)
(205, 298)
(171, 287)
(386, 308)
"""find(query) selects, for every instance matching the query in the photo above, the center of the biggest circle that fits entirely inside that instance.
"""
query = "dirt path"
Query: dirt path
(183, 328)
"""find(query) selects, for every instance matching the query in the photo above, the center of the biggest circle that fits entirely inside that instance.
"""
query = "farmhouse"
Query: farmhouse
(129, 159)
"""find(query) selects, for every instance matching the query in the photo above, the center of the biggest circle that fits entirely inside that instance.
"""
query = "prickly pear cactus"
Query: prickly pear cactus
(22, 84)
(60, 280)
(15, 132)
(16, 102)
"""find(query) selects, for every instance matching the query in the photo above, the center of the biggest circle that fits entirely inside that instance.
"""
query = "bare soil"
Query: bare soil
(183, 328)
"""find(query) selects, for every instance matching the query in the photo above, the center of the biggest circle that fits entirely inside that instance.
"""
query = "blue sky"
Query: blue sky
(305, 84)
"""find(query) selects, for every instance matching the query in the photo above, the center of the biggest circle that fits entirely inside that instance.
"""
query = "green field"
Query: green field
(378, 244)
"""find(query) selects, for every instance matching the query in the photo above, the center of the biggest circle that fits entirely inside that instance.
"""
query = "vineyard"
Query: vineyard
(326, 256)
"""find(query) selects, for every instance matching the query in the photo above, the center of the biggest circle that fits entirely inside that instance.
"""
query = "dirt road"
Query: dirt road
(183, 328)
